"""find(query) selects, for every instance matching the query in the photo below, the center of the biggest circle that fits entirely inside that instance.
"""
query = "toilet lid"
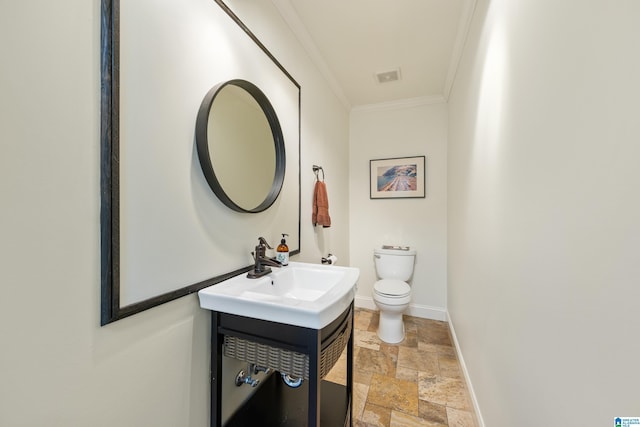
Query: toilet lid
(392, 288)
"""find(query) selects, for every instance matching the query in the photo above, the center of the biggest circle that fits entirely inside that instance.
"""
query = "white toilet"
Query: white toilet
(392, 293)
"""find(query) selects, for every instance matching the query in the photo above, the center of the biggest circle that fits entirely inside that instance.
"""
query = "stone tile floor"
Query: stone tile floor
(417, 382)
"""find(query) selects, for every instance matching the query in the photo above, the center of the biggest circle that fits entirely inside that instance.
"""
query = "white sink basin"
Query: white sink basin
(301, 294)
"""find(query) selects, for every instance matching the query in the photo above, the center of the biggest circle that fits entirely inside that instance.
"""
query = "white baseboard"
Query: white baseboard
(463, 366)
(416, 310)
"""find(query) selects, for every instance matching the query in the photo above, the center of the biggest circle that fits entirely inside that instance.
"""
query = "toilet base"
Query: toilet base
(391, 325)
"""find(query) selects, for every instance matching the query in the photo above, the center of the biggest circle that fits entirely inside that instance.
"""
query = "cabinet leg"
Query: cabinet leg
(216, 372)
(314, 380)
(350, 367)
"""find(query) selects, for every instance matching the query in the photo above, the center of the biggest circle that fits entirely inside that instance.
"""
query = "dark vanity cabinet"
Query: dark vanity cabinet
(316, 402)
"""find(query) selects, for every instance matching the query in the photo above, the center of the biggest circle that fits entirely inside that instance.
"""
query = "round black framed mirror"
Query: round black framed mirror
(241, 146)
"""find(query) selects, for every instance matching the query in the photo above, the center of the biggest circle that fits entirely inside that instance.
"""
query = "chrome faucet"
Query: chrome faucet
(261, 261)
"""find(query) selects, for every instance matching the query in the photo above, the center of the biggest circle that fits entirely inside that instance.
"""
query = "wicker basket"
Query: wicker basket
(286, 361)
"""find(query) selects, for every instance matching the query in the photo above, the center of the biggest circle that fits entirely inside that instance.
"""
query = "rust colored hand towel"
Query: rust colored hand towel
(320, 214)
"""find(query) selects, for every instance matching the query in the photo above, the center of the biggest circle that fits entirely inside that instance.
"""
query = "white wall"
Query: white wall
(386, 131)
(543, 180)
(58, 366)
(324, 135)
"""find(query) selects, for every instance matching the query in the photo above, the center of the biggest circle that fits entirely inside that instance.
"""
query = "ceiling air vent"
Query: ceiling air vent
(388, 76)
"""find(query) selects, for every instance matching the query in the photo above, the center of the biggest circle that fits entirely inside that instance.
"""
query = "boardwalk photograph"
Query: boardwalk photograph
(397, 178)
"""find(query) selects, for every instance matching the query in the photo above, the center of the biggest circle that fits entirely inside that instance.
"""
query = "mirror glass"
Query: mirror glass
(240, 146)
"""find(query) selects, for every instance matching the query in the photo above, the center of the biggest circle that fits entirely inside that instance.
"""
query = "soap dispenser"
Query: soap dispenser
(282, 255)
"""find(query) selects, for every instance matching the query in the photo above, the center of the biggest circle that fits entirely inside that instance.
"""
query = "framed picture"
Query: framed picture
(397, 178)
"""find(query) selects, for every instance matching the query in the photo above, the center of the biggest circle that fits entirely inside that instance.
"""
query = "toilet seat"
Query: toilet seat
(392, 288)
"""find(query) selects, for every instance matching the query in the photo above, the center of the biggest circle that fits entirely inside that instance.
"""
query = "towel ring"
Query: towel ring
(316, 169)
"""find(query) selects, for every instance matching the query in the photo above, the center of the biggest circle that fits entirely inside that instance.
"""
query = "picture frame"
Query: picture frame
(397, 178)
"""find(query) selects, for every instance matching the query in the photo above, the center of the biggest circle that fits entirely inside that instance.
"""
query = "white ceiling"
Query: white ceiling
(352, 40)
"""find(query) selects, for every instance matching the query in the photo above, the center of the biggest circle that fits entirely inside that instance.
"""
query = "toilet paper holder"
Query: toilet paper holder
(329, 259)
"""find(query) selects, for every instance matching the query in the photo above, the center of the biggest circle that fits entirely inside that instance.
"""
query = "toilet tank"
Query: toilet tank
(394, 263)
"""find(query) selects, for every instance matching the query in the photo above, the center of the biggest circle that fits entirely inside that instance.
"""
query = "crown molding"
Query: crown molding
(402, 103)
(290, 16)
(464, 25)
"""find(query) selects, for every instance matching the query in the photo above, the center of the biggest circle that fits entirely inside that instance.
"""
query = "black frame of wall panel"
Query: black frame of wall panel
(111, 310)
